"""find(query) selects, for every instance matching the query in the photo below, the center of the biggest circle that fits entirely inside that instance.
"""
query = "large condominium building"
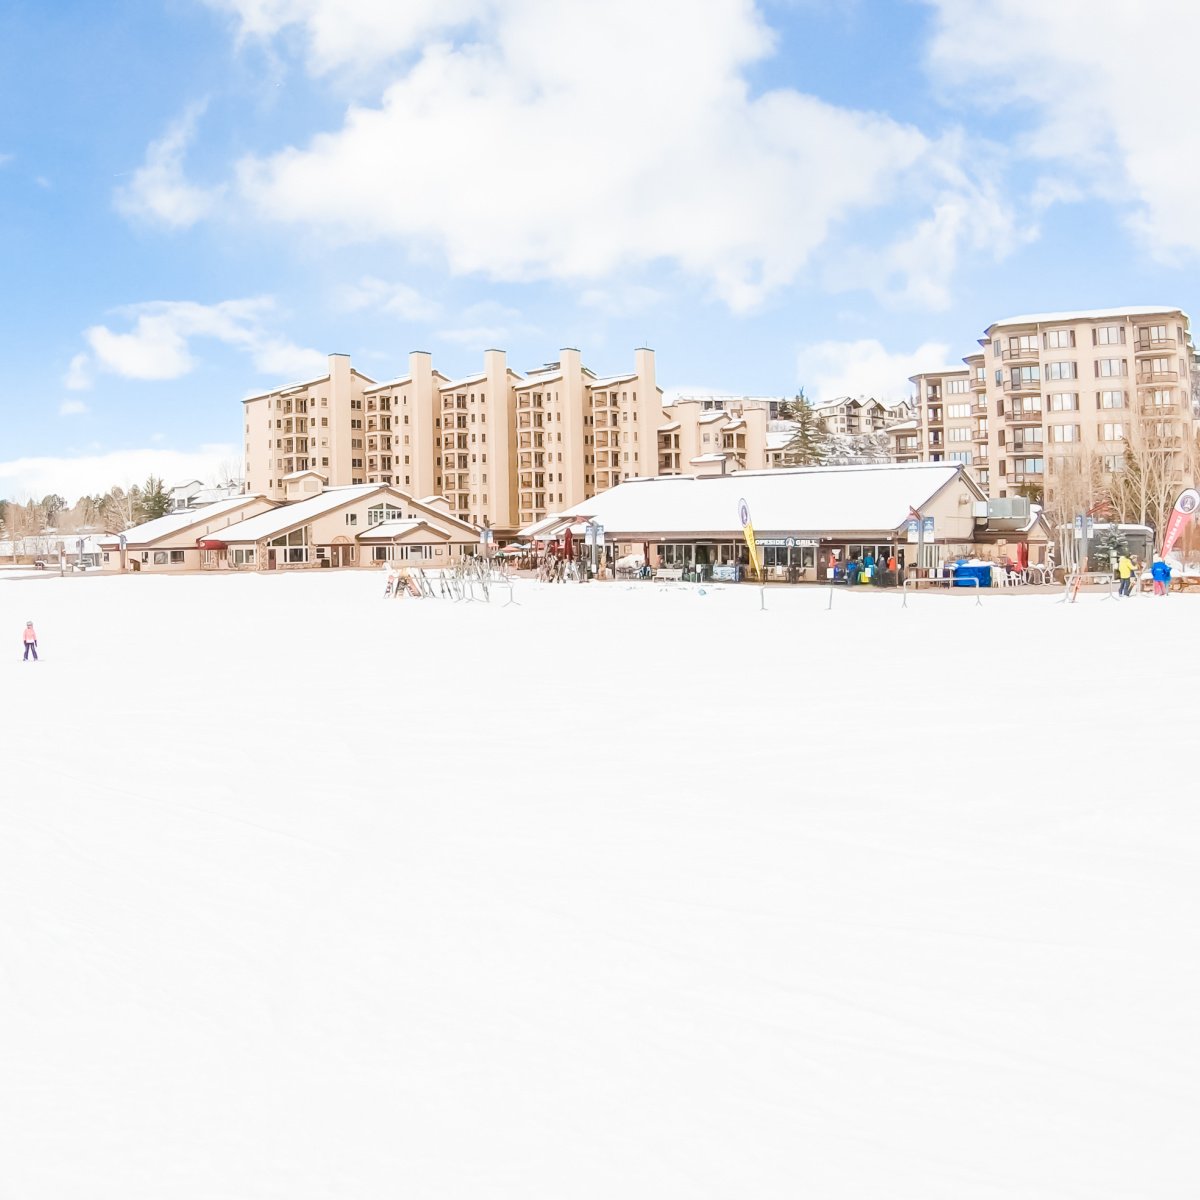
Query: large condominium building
(503, 449)
(314, 425)
(694, 439)
(1052, 391)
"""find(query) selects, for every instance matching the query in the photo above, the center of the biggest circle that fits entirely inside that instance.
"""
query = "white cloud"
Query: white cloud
(158, 191)
(72, 408)
(496, 146)
(396, 299)
(864, 368)
(485, 324)
(967, 213)
(78, 377)
(159, 345)
(1109, 90)
(90, 473)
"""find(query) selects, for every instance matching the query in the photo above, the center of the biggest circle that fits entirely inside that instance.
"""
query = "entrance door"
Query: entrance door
(271, 558)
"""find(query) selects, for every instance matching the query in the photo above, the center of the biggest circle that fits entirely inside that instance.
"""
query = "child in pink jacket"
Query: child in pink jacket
(30, 640)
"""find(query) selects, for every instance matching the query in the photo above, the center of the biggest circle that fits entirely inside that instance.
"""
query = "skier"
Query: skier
(30, 640)
(1125, 571)
(1161, 574)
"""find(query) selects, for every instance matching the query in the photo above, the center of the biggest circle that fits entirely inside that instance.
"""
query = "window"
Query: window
(1154, 333)
(1060, 370)
(957, 387)
(177, 556)
(160, 558)
(1064, 433)
(1064, 401)
(960, 435)
(352, 518)
(1113, 462)
(1026, 376)
(1109, 335)
(1158, 398)
(1154, 366)
(1022, 345)
(1106, 367)
(1110, 399)
(958, 410)
(961, 456)
(1028, 466)
(1110, 431)
(243, 556)
(1058, 339)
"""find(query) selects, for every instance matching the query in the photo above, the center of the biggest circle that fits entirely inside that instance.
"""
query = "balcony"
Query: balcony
(979, 408)
(1148, 378)
(529, 420)
(1156, 346)
(1023, 416)
(979, 435)
(979, 385)
(1030, 354)
(1023, 387)
(1026, 477)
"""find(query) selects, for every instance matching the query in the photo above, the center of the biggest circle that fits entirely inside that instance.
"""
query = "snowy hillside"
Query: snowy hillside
(617, 892)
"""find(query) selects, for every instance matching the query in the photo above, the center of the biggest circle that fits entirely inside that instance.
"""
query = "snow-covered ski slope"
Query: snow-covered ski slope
(617, 892)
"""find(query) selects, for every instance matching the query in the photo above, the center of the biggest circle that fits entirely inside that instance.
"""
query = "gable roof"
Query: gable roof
(816, 499)
(180, 520)
(300, 512)
(387, 531)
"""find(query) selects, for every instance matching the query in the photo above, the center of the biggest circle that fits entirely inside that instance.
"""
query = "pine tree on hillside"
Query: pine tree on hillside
(809, 445)
(154, 501)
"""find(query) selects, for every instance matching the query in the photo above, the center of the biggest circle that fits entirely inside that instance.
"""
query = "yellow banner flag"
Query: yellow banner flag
(751, 544)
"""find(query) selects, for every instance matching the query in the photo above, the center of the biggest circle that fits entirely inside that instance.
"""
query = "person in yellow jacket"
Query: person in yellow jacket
(1125, 571)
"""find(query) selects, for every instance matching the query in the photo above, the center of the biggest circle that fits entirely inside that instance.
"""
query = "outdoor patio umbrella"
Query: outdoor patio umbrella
(567, 539)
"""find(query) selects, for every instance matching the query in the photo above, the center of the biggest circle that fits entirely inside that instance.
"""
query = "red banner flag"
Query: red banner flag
(1181, 515)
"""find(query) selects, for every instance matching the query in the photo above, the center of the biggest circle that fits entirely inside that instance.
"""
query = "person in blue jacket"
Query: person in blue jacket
(1160, 572)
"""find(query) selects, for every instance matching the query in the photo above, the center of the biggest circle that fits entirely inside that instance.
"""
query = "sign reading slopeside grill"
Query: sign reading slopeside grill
(789, 542)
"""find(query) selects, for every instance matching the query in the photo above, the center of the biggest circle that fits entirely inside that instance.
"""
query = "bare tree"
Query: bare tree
(1075, 486)
(1155, 456)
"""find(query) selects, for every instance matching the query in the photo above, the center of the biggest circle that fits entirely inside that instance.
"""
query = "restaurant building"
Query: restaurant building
(808, 518)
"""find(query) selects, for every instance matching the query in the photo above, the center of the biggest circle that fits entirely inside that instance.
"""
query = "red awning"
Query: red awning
(212, 544)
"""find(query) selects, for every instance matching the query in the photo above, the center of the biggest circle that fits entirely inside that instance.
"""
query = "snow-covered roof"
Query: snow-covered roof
(1092, 314)
(537, 380)
(461, 383)
(707, 458)
(900, 426)
(815, 499)
(302, 474)
(289, 387)
(176, 522)
(612, 380)
(388, 530)
(716, 414)
(777, 439)
(668, 427)
(287, 516)
(390, 383)
(539, 527)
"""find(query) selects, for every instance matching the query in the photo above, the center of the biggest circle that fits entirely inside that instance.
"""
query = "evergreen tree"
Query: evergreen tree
(1109, 546)
(809, 445)
(154, 500)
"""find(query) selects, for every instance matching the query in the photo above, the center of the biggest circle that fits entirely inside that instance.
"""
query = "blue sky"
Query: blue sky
(199, 199)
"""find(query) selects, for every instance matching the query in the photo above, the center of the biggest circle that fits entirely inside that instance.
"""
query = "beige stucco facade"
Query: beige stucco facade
(1051, 390)
(317, 424)
(172, 543)
(344, 527)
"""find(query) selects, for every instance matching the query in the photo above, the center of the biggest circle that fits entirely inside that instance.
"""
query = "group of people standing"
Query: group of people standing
(1129, 570)
(884, 572)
